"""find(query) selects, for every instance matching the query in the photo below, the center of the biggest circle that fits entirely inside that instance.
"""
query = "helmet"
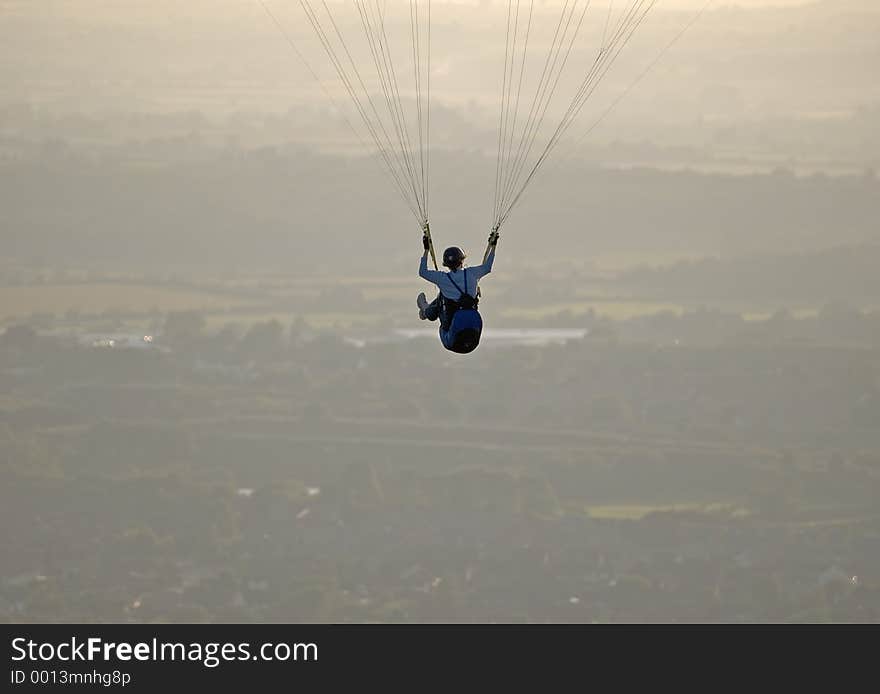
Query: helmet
(453, 257)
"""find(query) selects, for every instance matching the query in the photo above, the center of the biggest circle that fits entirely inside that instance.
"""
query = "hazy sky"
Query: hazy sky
(789, 82)
(741, 3)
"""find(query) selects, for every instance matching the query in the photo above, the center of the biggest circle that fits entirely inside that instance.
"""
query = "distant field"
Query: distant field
(614, 262)
(58, 299)
(639, 511)
(321, 302)
(798, 313)
(613, 309)
(316, 321)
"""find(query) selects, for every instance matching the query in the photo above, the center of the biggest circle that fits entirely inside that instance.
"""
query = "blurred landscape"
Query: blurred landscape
(217, 402)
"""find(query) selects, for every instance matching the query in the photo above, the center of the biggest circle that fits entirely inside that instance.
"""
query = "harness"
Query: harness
(461, 324)
(465, 300)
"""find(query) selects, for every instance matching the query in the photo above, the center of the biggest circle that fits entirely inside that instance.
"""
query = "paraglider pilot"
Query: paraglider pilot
(458, 287)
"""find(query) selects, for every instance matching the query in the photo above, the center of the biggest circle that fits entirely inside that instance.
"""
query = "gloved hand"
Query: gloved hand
(493, 238)
(426, 242)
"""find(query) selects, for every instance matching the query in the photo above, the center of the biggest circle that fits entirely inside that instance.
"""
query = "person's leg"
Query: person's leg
(429, 311)
(447, 311)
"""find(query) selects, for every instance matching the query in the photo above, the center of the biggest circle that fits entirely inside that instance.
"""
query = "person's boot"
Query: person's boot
(422, 303)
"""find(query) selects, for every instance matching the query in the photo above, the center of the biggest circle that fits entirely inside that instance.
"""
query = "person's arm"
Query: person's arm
(489, 258)
(424, 272)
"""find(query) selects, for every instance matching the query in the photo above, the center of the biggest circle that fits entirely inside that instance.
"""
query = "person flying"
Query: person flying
(459, 292)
